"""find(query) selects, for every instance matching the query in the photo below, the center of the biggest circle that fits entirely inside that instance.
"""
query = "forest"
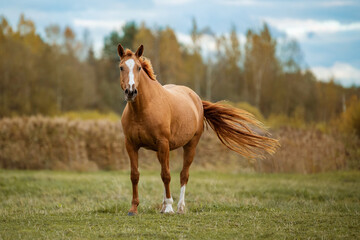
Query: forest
(60, 73)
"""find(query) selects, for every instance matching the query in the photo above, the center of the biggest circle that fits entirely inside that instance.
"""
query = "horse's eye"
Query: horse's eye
(139, 68)
(121, 68)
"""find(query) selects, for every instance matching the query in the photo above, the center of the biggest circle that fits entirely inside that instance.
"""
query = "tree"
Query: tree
(25, 27)
(330, 100)
(70, 44)
(229, 77)
(150, 40)
(62, 73)
(110, 46)
(53, 34)
(350, 119)
(196, 35)
(129, 31)
(260, 63)
(291, 56)
(5, 28)
(170, 57)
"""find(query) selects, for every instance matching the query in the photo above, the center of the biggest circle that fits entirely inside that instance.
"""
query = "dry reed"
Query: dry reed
(85, 145)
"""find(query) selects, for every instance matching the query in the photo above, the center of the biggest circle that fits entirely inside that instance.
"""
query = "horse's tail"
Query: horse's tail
(239, 130)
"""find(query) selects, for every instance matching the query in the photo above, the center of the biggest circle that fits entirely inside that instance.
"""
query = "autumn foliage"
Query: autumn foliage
(60, 72)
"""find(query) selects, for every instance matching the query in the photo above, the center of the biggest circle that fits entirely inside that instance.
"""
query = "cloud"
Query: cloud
(241, 2)
(207, 42)
(171, 2)
(300, 28)
(98, 29)
(294, 4)
(184, 38)
(247, 3)
(343, 73)
(337, 3)
(104, 24)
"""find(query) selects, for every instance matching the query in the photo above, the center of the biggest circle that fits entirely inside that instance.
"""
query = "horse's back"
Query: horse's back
(182, 96)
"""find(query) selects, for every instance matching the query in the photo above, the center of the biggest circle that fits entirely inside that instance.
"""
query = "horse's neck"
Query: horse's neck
(148, 89)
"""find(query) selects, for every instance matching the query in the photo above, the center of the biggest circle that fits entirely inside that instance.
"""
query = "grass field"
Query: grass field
(70, 205)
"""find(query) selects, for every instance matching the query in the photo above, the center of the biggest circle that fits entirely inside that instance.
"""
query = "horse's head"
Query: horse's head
(130, 69)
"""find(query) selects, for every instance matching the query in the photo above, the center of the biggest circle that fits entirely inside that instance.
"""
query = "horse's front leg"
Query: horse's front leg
(133, 155)
(163, 156)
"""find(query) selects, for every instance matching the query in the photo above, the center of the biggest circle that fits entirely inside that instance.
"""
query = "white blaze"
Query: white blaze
(131, 63)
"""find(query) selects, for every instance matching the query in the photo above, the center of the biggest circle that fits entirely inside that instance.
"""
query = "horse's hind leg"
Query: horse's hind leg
(189, 153)
(163, 156)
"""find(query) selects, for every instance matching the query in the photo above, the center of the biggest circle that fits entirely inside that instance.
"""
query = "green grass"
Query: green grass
(70, 205)
(91, 115)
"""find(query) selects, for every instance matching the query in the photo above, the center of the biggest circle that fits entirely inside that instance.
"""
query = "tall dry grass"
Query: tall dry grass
(305, 151)
(59, 143)
(85, 145)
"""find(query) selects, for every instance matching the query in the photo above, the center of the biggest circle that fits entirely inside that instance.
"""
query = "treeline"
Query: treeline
(60, 73)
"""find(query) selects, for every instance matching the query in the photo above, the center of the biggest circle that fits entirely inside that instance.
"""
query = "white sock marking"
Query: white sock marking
(131, 63)
(167, 204)
(181, 203)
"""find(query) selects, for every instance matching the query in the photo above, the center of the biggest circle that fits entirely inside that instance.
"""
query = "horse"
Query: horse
(164, 118)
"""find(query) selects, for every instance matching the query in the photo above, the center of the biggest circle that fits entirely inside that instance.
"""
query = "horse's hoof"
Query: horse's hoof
(167, 209)
(168, 213)
(180, 211)
(181, 208)
(131, 214)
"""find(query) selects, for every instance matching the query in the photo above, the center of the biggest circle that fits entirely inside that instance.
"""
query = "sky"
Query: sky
(328, 31)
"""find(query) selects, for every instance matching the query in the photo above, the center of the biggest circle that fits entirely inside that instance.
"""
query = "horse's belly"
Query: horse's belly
(187, 118)
(179, 141)
(183, 131)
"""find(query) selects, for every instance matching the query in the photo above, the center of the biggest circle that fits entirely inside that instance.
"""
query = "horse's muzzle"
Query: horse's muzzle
(130, 94)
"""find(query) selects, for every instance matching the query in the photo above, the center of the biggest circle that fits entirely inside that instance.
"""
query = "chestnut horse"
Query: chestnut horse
(163, 118)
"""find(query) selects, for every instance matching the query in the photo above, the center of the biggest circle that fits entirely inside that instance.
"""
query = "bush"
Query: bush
(296, 120)
(249, 108)
(350, 119)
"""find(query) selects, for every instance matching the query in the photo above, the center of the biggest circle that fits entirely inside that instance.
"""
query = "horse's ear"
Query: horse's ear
(140, 51)
(121, 51)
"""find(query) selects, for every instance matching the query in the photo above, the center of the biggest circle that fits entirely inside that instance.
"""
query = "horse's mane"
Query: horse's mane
(145, 64)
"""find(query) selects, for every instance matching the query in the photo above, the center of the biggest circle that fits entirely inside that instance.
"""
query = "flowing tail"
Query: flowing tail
(239, 130)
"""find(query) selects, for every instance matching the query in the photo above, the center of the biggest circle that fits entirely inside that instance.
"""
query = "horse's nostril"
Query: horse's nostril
(135, 91)
(126, 91)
